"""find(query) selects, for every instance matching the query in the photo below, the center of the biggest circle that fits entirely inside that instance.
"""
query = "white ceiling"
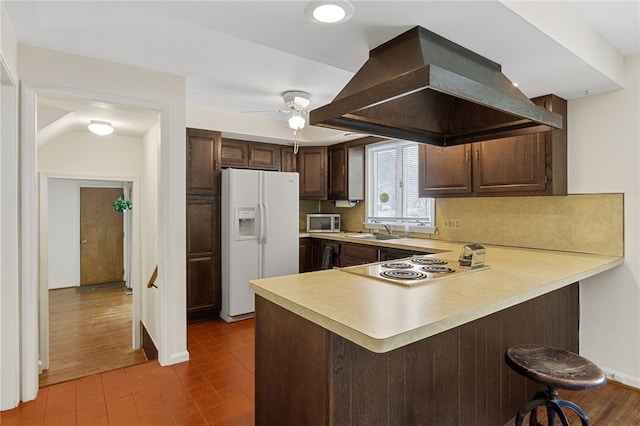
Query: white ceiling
(241, 55)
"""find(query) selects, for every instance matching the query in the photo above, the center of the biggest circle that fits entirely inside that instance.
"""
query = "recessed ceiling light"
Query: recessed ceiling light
(101, 128)
(329, 12)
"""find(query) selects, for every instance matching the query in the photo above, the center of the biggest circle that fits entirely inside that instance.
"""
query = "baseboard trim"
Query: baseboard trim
(148, 346)
(622, 378)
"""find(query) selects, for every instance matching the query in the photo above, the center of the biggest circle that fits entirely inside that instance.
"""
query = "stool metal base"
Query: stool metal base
(554, 406)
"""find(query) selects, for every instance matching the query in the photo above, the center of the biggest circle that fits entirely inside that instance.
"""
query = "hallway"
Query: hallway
(89, 332)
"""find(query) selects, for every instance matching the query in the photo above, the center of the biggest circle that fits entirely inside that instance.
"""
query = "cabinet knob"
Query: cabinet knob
(83, 241)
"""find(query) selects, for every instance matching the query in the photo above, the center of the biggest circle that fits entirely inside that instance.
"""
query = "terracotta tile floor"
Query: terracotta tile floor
(215, 387)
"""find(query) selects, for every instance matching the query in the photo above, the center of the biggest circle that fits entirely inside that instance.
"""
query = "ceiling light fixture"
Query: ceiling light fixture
(296, 121)
(101, 128)
(329, 12)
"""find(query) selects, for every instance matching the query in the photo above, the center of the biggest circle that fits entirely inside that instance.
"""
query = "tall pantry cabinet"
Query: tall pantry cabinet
(203, 224)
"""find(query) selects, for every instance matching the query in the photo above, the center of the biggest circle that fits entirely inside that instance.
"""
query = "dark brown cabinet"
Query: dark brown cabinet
(338, 169)
(358, 254)
(534, 164)
(203, 168)
(445, 170)
(203, 224)
(234, 153)
(264, 156)
(305, 261)
(288, 161)
(252, 155)
(312, 165)
(346, 169)
(203, 259)
(387, 253)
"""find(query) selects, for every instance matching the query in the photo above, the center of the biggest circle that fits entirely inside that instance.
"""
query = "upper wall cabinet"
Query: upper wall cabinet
(252, 155)
(288, 161)
(312, 166)
(534, 164)
(346, 172)
(346, 169)
(203, 168)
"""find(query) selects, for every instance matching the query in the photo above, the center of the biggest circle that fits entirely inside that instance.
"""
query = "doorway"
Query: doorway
(90, 309)
(68, 152)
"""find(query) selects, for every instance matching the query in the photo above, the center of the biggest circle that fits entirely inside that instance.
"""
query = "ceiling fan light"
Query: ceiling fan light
(296, 121)
(101, 128)
(329, 12)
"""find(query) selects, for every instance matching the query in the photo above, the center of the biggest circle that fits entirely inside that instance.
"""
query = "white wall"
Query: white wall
(604, 156)
(63, 236)
(46, 71)
(9, 209)
(83, 153)
(148, 229)
(63, 229)
(80, 154)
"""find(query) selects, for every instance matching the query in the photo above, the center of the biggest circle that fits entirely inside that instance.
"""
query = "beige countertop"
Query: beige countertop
(382, 316)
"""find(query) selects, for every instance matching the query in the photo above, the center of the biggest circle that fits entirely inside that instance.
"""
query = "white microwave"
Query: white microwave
(323, 222)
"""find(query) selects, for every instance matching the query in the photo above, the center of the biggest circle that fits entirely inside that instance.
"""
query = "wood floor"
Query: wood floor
(612, 405)
(89, 332)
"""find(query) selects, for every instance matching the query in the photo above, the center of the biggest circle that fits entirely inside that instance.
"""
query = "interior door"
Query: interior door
(101, 236)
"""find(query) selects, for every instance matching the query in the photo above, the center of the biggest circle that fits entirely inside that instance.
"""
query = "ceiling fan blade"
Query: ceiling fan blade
(266, 111)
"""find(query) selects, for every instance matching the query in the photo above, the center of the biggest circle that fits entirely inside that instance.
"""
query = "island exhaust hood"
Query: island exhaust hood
(422, 87)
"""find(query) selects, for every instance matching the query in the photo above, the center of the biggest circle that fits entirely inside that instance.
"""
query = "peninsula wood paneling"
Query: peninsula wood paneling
(457, 377)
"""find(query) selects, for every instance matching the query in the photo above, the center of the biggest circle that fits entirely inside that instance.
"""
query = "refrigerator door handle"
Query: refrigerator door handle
(265, 211)
(261, 223)
(261, 233)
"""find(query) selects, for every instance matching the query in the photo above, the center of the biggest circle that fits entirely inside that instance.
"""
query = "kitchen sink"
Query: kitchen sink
(375, 237)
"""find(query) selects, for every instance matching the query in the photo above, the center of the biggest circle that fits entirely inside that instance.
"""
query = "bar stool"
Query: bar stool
(556, 369)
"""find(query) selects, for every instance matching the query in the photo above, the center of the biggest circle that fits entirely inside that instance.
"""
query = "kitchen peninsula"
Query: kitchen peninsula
(338, 348)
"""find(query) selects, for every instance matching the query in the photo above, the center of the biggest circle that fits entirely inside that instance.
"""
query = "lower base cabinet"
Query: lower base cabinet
(203, 258)
(307, 375)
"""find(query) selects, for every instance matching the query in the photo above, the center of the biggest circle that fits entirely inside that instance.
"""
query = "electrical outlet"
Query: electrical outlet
(453, 224)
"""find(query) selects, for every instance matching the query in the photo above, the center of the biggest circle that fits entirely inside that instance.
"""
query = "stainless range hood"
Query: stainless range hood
(422, 87)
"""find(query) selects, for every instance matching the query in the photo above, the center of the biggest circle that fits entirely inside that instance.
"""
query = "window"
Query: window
(392, 188)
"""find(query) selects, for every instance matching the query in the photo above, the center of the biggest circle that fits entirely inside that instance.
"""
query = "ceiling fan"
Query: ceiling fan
(296, 103)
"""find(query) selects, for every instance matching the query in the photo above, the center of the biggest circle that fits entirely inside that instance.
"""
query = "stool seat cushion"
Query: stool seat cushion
(554, 367)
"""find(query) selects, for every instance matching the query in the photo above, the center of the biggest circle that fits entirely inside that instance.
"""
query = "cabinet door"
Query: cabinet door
(444, 170)
(313, 174)
(515, 164)
(203, 258)
(234, 153)
(288, 161)
(203, 167)
(304, 256)
(316, 254)
(202, 301)
(338, 173)
(264, 156)
(358, 254)
(387, 253)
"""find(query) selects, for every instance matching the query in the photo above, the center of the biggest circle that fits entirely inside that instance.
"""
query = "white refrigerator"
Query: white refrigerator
(260, 235)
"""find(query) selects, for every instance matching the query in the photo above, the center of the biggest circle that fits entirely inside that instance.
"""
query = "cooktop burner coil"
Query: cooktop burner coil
(438, 269)
(397, 265)
(428, 261)
(403, 274)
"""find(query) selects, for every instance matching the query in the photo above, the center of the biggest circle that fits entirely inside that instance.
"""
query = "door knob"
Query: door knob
(83, 241)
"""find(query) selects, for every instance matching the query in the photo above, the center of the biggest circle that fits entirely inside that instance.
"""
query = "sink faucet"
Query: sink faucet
(388, 228)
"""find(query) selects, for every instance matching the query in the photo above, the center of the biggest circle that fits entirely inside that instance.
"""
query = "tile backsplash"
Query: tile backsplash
(586, 223)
